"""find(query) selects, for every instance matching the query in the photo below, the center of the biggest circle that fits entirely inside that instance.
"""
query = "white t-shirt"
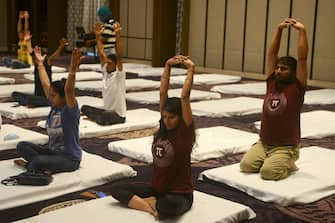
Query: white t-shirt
(114, 91)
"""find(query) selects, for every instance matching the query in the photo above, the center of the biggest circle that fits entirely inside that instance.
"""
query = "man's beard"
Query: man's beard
(282, 82)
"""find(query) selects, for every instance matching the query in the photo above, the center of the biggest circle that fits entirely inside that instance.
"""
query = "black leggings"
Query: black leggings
(168, 204)
(101, 116)
(30, 100)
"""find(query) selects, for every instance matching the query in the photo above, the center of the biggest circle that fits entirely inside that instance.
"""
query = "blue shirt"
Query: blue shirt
(63, 131)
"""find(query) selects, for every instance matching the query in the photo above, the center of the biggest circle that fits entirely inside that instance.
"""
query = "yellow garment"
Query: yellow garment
(23, 54)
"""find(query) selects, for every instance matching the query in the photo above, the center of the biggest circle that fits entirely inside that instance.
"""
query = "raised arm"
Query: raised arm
(186, 92)
(98, 29)
(27, 39)
(69, 85)
(19, 22)
(274, 47)
(45, 82)
(301, 72)
(62, 43)
(117, 28)
(26, 21)
(165, 81)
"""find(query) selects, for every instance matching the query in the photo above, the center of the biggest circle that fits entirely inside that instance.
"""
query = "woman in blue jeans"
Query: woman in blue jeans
(63, 151)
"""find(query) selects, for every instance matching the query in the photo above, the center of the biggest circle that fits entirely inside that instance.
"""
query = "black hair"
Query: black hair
(173, 106)
(289, 61)
(58, 86)
(112, 57)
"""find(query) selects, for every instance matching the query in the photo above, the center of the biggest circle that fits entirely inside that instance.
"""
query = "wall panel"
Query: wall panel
(234, 35)
(255, 36)
(324, 58)
(215, 33)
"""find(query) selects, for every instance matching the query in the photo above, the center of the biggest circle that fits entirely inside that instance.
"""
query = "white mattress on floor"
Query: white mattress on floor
(207, 79)
(7, 131)
(152, 97)
(258, 88)
(210, 143)
(7, 70)
(227, 107)
(127, 67)
(7, 80)
(131, 85)
(314, 124)
(94, 170)
(7, 90)
(18, 111)
(314, 179)
(320, 97)
(205, 208)
(135, 119)
(155, 71)
(80, 76)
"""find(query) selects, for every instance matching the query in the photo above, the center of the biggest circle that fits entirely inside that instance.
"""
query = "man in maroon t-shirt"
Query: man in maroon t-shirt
(278, 148)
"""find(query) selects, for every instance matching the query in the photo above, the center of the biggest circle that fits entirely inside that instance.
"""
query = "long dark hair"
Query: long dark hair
(173, 106)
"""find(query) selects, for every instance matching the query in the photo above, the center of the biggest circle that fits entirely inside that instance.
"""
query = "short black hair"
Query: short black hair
(289, 61)
(112, 57)
(58, 86)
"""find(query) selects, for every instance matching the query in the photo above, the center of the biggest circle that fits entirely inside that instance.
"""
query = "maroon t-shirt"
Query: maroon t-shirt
(172, 161)
(280, 124)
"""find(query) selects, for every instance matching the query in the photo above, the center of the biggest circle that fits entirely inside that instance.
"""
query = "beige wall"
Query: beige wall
(238, 40)
(136, 35)
(3, 25)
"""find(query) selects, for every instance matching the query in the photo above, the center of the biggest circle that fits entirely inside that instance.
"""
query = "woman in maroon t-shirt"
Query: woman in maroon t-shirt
(171, 189)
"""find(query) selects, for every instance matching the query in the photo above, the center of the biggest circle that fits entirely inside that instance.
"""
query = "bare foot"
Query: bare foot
(20, 162)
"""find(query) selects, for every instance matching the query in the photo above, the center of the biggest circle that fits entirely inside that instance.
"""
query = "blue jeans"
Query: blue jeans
(41, 159)
(14, 63)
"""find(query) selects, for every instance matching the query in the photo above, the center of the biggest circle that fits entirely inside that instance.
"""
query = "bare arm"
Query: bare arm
(45, 82)
(274, 47)
(27, 39)
(98, 29)
(69, 85)
(186, 92)
(19, 22)
(165, 81)
(26, 21)
(62, 43)
(117, 29)
(302, 53)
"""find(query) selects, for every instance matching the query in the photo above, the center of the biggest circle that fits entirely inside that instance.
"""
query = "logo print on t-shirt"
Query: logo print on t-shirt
(163, 153)
(275, 103)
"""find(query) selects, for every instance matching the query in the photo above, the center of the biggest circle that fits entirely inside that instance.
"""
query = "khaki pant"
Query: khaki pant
(272, 162)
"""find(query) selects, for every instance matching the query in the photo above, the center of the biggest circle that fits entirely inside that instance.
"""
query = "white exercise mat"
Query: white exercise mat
(152, 97)
(127, 67)
(156, 71)
(314, 124)
(18, 111)
(313, 181)
(227, 107)
(80, 76)
(7, 80)
(320, 97)
(258, 88)
(207, 79)
(205, 208)
(210, 143)
(7, 90)
(131, 85)
(8, 70)
(135, 119)
(94, 170)
(11, 135)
